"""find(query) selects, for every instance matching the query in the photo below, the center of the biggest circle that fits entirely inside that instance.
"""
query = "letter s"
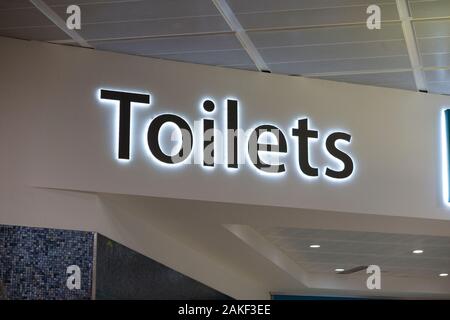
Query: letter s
(340, 155)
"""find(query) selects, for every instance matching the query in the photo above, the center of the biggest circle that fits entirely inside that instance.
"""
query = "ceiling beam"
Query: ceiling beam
(411, 45)
(59, 22)
(240, 33)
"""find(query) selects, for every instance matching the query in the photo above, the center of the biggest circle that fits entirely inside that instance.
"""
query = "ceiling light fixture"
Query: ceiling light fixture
(339, 270)
(443, 275)
(418, 251)
(314, 246)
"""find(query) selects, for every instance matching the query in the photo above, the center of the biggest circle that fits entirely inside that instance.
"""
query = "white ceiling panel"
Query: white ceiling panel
(312, 17)
(429, 8)
(22, 18)
(121, 19)
(437, 28)
(153, 28)
(439, 87)
(436, 60)
(81, 2)
(242, 6)
(23, 21)
(438, 75)
(336, 51)
(169, 45)
(398, 80)
(14, 4)
(434, 45)
(345, 65)
(218, 58)
(116, 11)
(331, 35)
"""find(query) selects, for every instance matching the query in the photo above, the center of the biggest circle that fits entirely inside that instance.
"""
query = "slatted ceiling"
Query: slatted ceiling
(18, 19)
(217, 58)
(338, 49)
(433, 39)
(54, 3)
(440, 60)
(429, 9)
(427, 28)
(98, 12)
(434, 45)
(294, 38)
(325, 35)
(155, 46)
(153, 28)
(440, 87)
(147, 18)
(14, 4)
(348, 249)
(312, 17)
(341, 65)
(335, 51)
(246, 6)
(437, 75)
(410, 85)
(22, 18)
(398, 80)
(435, 51)
(219, 50)
(124, 19)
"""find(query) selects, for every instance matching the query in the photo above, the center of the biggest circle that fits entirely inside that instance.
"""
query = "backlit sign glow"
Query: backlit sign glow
(265, 145)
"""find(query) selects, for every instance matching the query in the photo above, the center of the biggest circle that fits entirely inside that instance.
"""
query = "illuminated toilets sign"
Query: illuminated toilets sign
(265, 145)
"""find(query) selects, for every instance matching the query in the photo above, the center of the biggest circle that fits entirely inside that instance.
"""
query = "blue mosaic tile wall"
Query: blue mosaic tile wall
(34, 261)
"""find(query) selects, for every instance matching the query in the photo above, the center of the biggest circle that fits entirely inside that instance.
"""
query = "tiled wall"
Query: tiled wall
(34, 261)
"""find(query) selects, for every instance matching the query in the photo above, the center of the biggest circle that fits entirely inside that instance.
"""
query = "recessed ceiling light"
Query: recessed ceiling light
(339, 270)
(314, 246)
(418, 251)
(443, 275)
